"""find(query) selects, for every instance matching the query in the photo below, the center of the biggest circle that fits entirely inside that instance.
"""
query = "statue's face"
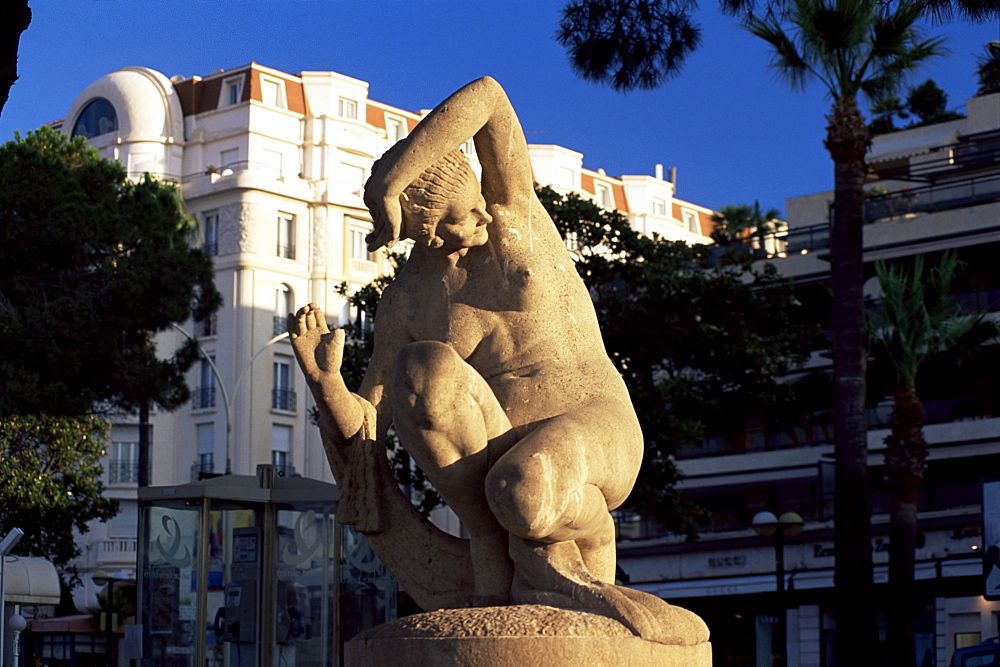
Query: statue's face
(464, 225)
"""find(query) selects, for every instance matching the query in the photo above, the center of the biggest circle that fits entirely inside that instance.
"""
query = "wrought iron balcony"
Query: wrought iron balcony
(283, 399)
(203, 398)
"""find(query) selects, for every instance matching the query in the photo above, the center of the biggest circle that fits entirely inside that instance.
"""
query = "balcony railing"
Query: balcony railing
(123, 472)
(891, 206)
(286, 251)
(927, 199)
(203, 398)
(818, 430)
(283, 399)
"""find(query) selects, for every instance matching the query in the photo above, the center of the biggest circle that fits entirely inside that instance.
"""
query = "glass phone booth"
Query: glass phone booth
(253, 571)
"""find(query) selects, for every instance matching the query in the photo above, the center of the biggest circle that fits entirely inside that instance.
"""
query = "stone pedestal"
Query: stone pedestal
(521, 635)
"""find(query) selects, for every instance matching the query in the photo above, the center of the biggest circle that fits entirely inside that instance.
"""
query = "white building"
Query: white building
(272, 165)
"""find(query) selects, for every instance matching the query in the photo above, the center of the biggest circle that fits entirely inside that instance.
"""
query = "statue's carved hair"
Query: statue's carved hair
(426, 199)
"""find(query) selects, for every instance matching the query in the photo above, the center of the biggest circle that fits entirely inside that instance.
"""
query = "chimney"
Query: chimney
(659, 172)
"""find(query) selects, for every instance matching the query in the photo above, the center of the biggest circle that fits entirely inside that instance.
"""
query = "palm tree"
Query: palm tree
(738, 222)
(852, 47)
(915, 318)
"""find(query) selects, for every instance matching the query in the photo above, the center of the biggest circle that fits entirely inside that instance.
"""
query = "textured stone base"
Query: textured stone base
(521, 635)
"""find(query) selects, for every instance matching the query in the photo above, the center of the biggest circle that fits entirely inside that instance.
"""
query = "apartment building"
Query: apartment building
(932, 189)
(272, 166)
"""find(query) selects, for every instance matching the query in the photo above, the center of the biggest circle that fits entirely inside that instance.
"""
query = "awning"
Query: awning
(30, 581)
(899, 145)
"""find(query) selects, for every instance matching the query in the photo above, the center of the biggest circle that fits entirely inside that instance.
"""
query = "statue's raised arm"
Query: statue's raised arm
(489, 365)
(480, 111)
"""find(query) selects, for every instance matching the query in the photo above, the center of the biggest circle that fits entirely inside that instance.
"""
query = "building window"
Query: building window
(691, 221)
(281, 447)
(97, 118)
(659, 206)
(286, 235)
(395, 128)
(207, 327)
(273, 161)
(567, 178)
(272, 92)
(284, 303)
(354, 177)
(229, 159)
(123, 467)
(604, 197)
(206, 448)
(232, 91)
(210, 230)
(282, 394)
(204, 395)
(347, 108)
(572, 241)
(361, 261)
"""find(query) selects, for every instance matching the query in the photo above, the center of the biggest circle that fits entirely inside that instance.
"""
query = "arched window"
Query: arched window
(97, 118)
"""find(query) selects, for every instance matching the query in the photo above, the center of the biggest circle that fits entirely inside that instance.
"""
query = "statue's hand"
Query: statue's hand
(387, 218)
(318, 350)
(383, 202)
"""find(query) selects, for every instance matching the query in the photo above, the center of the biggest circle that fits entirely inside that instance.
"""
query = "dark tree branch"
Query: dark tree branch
(15, 17)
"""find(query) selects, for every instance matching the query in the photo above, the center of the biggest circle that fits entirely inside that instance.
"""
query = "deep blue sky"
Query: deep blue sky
(734, 131)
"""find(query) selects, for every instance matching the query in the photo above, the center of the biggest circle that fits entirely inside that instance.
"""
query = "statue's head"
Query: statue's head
(444, 205)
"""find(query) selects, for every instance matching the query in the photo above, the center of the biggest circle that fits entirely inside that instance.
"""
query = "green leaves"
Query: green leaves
(50, 482)
(628, 44)
(91, 266)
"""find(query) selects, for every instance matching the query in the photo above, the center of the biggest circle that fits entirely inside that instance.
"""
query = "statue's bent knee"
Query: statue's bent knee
(524, 496)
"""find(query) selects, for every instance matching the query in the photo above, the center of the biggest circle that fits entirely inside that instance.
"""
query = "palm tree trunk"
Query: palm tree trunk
(847, 141)
(905, 456)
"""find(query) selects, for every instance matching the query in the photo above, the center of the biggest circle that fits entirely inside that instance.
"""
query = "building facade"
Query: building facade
(932, 189)
(272, 165)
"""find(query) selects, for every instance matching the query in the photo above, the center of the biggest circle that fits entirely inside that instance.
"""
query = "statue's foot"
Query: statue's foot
(646, 615)
(555, 576)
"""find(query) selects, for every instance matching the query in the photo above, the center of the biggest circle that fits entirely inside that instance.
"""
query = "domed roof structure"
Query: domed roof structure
(138, 103)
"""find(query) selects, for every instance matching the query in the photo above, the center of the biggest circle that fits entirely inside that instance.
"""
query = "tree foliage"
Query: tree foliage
(91, 267)
(50, 483)
(915, 317)
(641, 44)
(628, 44)
(988, 69)
(696, 331)
(737, 222)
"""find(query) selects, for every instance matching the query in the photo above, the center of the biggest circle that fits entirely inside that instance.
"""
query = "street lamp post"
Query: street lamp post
(788, 524)
(228, 398)
(109, 617)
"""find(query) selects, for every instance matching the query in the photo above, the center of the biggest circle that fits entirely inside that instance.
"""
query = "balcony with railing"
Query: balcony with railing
(817, 428)
(283, 399)
(123, 471)
(203, 398)
(968, 187)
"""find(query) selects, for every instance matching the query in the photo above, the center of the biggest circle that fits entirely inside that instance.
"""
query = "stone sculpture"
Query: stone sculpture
(489, 364)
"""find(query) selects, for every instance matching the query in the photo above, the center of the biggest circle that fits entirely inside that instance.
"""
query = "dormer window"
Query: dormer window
(604, 197)
(659, 206)
(232, 91)
(395, 128)
(347, 108)
(272, 92)
(97, 118)
(691, 221)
